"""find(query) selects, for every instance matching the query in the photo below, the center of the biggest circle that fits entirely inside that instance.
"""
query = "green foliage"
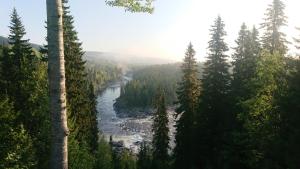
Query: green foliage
(262, 118)
(81, 101)
(144, 157)
(23, 80)
(124, 160)
(141, 91)
(16, 149)
(104, 157)
(160, 131)
(187, 93)
(133, 5)
(101, 74)
(291, 108)
(79, 155)
(216, 119)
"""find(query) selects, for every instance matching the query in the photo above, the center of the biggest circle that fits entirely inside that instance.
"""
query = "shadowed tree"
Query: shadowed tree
(160, 131)
(187, 94)
(215, 119)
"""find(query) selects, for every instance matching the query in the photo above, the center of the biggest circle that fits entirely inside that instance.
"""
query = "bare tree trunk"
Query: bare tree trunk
(56, 73)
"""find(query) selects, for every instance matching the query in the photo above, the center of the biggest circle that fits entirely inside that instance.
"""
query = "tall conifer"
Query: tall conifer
(187, 94)
(273, 39)
(80, 101)
(161, 138)
(215, 120)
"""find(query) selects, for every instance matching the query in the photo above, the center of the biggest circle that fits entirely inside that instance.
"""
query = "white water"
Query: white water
(131, 131)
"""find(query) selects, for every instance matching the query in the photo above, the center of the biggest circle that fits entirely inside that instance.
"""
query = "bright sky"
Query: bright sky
(164, 34)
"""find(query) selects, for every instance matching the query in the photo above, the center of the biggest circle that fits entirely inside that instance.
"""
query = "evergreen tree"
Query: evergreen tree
(291, 107)
(245, 58)
(188, 93)
(262, 117)
(16, 149)
(160, 134)
(245, 62)
(215, 120)
(80, 101)
(25, 83)
(104, 158)
(144, 157)
(273, 39)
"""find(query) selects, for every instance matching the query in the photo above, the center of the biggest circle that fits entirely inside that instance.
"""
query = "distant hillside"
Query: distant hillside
(4, 41)
(124, 59)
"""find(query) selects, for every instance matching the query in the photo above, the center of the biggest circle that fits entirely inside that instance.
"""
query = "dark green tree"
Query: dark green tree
(262, 116)
(273, 39)
(291, 107)
(16, 149)
(245, 58)
(104, 157)
(25, 84)
(244, 68)
(216, 119)
(160, 131)
(144, 160)
(80, 101)
(187, 94)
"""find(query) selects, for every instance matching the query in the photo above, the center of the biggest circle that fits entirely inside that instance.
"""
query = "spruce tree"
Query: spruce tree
(215, 120)
(80, 101)
(291, 107)
(187, 94)
(160, 131)
(245, 58)
(144, 157)
(25, 84)
(273, 39)
(262, 116)
(244, 68)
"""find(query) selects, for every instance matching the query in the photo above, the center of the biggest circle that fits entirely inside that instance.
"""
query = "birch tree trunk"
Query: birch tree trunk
(56, 77)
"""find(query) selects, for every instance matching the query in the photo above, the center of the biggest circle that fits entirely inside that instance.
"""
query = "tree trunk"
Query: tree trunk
(56, 75)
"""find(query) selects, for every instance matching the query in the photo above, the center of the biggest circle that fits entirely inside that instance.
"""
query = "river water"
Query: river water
(131, 131)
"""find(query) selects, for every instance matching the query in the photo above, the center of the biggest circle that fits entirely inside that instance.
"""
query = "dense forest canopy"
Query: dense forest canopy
(141, 91)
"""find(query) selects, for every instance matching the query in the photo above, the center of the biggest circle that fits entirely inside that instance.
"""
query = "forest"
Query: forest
(240, 113)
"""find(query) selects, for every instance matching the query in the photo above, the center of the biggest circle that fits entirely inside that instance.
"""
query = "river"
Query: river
(131, 131)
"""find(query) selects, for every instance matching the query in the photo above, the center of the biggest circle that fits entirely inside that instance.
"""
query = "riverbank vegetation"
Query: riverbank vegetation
(245, 118)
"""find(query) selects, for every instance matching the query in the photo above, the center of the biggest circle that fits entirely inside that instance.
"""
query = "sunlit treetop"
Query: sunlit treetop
(133, 5)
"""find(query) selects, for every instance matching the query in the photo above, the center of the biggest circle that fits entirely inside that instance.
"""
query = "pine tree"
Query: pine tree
(273, 39)
(104, 157)
(16, 149)
(187, 94)
(245, 62)
(160, 131)
(144, 157)
(80, 101)
(291, 107)
(262, 116)
(215, 120)
(245, 58)
(25, 84)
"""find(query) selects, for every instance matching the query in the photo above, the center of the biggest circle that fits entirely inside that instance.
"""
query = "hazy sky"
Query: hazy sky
(166, 33)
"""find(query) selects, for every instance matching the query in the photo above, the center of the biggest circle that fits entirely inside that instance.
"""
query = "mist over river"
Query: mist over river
(132, 131)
